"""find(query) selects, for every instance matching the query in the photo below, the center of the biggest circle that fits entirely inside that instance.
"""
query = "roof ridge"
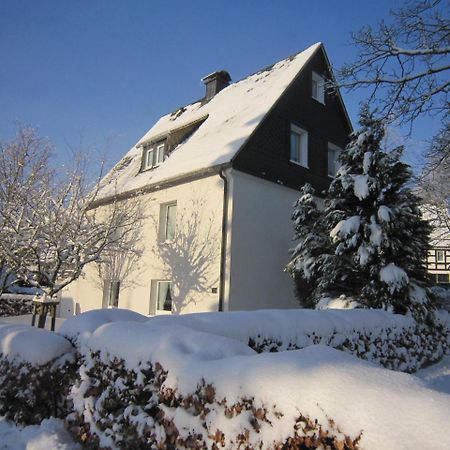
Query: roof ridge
(265, 69)
(288, 58)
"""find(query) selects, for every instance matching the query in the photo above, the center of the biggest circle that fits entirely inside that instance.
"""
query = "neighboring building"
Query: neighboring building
(218, 179)
(438, 264)
(438, 260)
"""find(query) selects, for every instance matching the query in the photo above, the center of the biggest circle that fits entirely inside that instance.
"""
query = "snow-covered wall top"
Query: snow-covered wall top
(231, 117)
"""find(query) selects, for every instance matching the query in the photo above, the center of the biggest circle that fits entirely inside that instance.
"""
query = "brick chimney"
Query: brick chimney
(215, 82)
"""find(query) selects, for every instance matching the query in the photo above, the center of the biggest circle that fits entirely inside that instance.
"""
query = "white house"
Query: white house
(217, 180)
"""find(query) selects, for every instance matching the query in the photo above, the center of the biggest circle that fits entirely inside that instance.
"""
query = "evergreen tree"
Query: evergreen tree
(375, 225)
(311, 255)
(370, 242)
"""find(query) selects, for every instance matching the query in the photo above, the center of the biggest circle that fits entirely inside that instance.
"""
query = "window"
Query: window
(153, 156)
(164, 296)
(161, 296)
(333, 163)
(442, 277)
(299, 146)
(167, 223)
(440, 256)
(159, 154)
(111, 291)
(318, 87)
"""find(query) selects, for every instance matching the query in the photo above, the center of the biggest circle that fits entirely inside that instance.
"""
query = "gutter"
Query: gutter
(223, 249)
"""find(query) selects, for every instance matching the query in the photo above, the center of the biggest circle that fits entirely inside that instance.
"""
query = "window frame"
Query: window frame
(303, 136)
(159, 283)
(318, 81)
(442, 278)
(336, 150)
(155, 292)
(157, 152)
(111, 293)
(164, 222)
(440, 252)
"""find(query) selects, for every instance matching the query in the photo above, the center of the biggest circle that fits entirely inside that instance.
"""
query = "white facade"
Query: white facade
(191, 260)
(259, 234)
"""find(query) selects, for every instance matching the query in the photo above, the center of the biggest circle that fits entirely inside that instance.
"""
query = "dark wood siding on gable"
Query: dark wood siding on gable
(267, 152)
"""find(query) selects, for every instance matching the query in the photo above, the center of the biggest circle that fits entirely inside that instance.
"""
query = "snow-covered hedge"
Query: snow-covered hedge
(15, 304)
(37, 369)
(442, 295)
(126, 398)
(166, 386)
(394, 341)
(80, 327)
(223, 380)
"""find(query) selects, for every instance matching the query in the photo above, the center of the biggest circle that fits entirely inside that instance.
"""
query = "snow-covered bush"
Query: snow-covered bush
(442, 295)
(166, 386)
(394, 341)
(135, 410)
(37, 369)
(15, 305)
(80, 327)
(404, 349)
(126, 398)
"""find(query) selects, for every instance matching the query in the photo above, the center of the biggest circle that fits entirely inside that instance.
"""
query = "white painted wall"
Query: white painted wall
(191, 261)
(260, 238)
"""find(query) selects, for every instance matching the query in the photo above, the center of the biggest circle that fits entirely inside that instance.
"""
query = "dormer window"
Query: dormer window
(318, 88)
(153, 155)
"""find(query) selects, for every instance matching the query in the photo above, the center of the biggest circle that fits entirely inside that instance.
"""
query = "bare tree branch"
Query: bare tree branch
(405, 64)
(48, 229)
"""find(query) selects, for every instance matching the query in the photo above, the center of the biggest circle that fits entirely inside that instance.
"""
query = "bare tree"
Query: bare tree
(24, 171)
(49, 227)
(434, 187)
(405, 64)
(439, 152)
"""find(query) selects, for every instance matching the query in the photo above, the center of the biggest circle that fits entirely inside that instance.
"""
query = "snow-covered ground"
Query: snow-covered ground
(26, 320)
(49, 435)
(437, 377)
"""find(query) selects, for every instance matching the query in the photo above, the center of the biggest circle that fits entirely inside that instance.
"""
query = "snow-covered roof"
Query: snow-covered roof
(230, 117)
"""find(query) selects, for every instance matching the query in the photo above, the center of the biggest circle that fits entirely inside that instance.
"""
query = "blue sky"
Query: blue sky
(102, 72)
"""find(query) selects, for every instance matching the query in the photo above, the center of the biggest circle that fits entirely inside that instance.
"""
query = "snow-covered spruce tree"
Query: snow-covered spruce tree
(311, 257)
(376, 227)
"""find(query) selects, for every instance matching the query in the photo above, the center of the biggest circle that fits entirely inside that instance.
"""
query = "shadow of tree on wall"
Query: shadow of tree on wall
(191, 259)
(122, 262)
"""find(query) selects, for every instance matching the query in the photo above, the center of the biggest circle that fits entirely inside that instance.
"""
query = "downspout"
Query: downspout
(223, 250)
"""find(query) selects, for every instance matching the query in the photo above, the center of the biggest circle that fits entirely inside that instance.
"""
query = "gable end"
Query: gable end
(267, 153)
